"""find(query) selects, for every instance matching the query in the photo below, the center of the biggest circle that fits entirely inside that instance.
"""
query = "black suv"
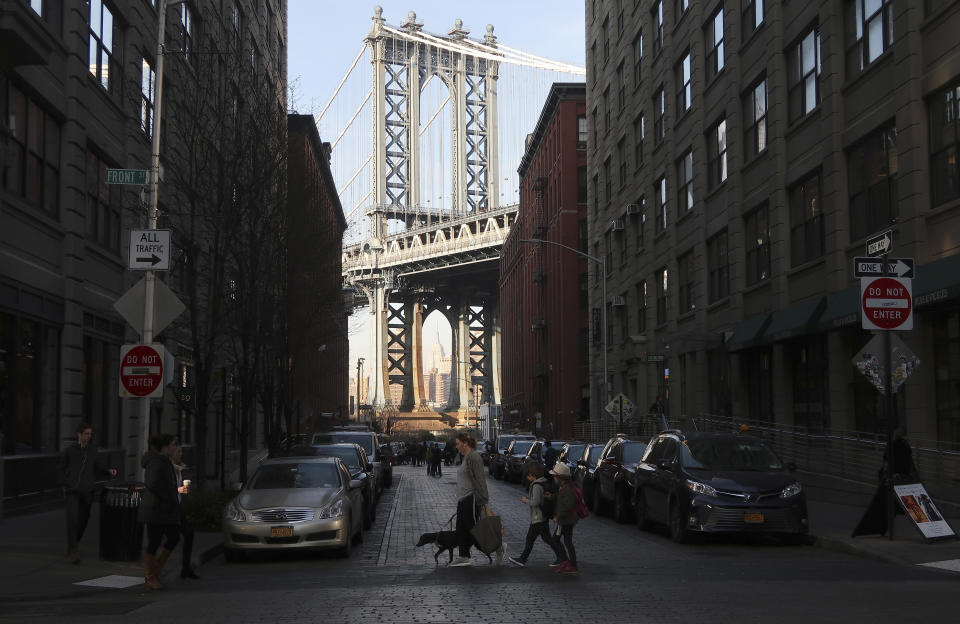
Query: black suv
(718, 483)
(518, 455)
(497, 464)
(370, 443)
(355, 458)
(586, 468)
(614, 476)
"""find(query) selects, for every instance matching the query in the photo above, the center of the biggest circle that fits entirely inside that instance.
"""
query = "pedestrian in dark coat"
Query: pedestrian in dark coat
(80, 465)
(566, 519)
(160, 507)
(186, 527)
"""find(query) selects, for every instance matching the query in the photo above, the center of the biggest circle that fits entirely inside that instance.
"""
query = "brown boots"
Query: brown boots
(151, 576)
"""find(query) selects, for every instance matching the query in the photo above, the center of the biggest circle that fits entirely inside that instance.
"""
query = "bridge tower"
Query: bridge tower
(403, 60)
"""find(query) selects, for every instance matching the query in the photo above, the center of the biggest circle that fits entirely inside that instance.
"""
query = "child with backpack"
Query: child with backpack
(570, 508)
(542, 507)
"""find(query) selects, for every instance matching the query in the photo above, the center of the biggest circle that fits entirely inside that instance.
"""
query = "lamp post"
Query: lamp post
(359, 376)
(603, 308)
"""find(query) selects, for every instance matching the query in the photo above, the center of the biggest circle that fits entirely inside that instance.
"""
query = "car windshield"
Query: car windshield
(729, 454)
(520, 447)
(295, 475)
(574, 451)
(504, 442)
(365, 440)
(633, 452)
(347, 454)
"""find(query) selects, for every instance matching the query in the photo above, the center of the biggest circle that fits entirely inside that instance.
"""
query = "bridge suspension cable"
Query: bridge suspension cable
(354, 117)
(340, 86)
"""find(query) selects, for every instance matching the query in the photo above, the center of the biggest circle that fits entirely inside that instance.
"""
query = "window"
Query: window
(608, 259)
(236, 20)
(662, 295)
(717, 155)
(659, 114)
(752, 16)
(946, 360)
(640, 222)
(718, 267)
(187, 27)
(803, 75)
(619, 17)
(757, 244)
(103, 204)
(622, 161)
(51, 11)
(642, 306)
(621, 87)
(607, 181)
(581, 185)
(685, 272)
(755, 116)
(268, 25)
(684, 90)
(638, 58)
(714, 41)
(945, 144)
(606, 109)
(622, 242)
(869, 31)
(582, 132)
(806, 221)
(660, 198)
(639, 134)
(685, 184)
(147, 82)
(32, 167)
(606, 39)
(810, 365)
(105, 64)
(596, 194)
(657, 14)
(682, 6)
(872, 181)
(593, 60)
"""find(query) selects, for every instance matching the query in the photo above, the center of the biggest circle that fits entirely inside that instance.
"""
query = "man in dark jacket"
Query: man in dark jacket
(550, 456)
(80, 465)
(160, 507)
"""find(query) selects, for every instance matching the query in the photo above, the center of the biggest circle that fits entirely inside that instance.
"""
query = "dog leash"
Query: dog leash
(449, 523)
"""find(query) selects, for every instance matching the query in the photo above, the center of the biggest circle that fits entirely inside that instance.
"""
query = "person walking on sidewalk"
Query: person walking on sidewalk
(541, 509)
(80, 465)
(566, 519)
(472, 497)
(186, 528)
(160, 507)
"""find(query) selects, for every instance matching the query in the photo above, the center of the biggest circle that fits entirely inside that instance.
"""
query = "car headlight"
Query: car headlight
(701, 488)
(791, 490)
(333, 511)
(233, 512)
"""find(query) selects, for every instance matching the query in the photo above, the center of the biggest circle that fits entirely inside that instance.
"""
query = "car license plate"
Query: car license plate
(753, 517)
(283, 531)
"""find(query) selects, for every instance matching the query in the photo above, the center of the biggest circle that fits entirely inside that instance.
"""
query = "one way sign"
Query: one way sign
(149, 250)
(873, 267)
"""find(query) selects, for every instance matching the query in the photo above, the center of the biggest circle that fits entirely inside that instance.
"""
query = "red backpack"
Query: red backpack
(580, 508)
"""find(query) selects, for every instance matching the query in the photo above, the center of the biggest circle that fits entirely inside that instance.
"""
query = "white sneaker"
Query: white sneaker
(460, 562)
(501, 552)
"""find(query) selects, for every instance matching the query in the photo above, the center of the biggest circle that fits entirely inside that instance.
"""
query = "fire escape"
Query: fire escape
(541, 367)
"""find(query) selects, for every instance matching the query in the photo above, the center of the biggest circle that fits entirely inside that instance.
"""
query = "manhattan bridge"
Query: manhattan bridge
(427, 136)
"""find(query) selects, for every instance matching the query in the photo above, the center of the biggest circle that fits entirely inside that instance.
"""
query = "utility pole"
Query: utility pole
(359, 373)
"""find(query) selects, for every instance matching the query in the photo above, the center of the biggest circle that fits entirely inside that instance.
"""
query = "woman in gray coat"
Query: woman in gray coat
(160, 507)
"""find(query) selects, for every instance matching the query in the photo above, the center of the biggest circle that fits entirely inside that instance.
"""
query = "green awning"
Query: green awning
(747, 332)
(843, 309)
(936, 281)
(796, 320)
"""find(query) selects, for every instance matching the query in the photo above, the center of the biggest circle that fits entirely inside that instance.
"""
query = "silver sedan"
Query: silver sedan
(295, 503)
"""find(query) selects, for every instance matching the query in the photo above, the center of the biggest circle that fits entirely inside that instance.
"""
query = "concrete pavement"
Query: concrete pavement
(33, 565)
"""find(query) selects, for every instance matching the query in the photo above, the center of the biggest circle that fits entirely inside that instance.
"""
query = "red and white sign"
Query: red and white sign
(141, 371)
(887, 303)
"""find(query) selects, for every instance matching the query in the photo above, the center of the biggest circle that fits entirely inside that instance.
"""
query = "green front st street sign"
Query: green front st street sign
(127, 176)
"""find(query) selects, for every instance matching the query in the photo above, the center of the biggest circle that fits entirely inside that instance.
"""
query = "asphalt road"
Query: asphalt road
(627, 576)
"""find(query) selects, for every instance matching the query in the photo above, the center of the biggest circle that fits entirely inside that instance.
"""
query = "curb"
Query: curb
(844, 546)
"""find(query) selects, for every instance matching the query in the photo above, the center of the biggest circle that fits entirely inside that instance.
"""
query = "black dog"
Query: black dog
(446, 540)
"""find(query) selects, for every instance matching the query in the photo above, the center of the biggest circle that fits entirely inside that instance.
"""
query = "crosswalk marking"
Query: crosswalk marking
(949, 564)
(113, 581)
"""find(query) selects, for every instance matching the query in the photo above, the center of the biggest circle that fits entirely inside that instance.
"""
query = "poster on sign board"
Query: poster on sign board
(921, 509)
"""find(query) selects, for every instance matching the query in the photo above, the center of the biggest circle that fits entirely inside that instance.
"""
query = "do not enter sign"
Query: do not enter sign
(887, 303)
(141, 371)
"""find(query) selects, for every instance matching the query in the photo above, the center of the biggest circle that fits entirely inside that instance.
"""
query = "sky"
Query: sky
(324, 37)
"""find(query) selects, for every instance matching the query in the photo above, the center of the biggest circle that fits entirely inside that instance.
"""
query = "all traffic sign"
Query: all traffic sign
(149, 250)
(141, 371)
(886, 303)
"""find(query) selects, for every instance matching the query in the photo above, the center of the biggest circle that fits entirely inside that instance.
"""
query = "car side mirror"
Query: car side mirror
(236, 487)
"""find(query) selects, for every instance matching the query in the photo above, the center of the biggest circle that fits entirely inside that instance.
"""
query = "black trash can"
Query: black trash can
(121, 536)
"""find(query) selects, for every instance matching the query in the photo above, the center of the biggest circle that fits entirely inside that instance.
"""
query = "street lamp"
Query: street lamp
(359, 377)
(603, 308)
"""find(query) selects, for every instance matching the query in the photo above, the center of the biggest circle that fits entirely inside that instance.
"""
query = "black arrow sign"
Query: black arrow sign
(153, 259)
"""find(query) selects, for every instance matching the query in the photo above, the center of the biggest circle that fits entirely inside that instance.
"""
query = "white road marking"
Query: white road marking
(114, 581)
(949, 564)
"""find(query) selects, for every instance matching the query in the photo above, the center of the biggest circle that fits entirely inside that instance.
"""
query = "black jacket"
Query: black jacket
(80, 466)
(160, 504)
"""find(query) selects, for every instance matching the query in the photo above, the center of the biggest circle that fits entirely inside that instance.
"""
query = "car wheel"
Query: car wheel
(348, 544)
(597, 501)
(640, 512)
(621, 508)
(678, 525)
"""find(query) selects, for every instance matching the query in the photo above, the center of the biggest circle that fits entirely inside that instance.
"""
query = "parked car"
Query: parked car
(583, 475)
(570, 452)
(518, 455)
(718, 483)
(497, 458)
(360, 468)
(615, 474)
(369, 441)
(295, 503)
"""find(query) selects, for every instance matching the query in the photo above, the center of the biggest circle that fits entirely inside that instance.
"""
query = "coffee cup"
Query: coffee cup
(186, 483)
